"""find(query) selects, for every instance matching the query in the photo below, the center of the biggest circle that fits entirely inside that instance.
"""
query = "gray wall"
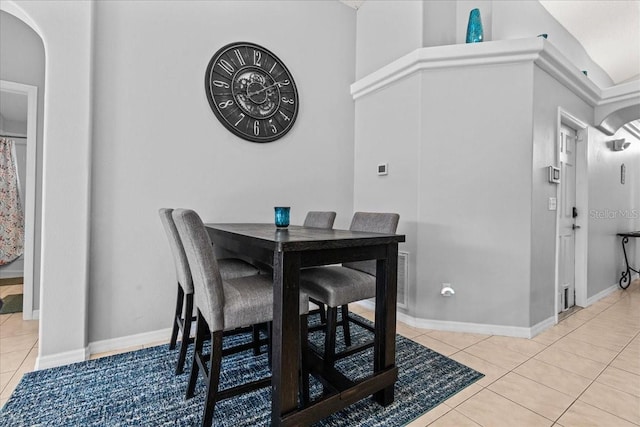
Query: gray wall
(475, 202)
(23, 61)
(388, 131)
(479, 140)
(613, 208)
(386, 31)
(156, 142)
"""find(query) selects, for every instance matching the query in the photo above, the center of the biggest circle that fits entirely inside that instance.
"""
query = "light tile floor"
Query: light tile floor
(584, 371)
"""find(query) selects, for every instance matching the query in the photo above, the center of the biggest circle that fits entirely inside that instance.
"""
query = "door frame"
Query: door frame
(582, 203)
(31, 92)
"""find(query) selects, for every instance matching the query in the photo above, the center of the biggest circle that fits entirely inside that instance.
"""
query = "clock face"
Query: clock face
(251, 92)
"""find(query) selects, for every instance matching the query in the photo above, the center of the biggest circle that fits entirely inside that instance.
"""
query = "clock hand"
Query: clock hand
(264, 88)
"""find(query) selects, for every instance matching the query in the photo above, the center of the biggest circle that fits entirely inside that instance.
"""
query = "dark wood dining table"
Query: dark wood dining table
(287, 251)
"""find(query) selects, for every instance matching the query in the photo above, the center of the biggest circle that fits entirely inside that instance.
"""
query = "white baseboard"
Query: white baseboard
(474, 328)
(542, 326)
(35, 315)
(129, 341)
(60, 359)
(602, 294)
(80, 355)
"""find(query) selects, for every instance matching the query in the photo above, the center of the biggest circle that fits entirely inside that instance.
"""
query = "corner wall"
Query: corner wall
(474, 203)
(66, 30)
(458, 143)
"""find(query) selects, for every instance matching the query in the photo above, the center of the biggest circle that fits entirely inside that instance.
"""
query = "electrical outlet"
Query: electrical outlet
(447, 290)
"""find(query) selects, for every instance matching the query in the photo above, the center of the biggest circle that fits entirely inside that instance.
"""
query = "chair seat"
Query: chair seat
(249, 300)
(336, 285)
(231, 268)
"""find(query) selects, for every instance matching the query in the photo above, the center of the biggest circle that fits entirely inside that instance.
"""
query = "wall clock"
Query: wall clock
(251, 92)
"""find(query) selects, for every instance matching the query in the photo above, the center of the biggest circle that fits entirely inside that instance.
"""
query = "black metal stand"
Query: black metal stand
(625, 278)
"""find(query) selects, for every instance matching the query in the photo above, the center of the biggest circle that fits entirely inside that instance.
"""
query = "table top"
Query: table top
(630, 234)
(295, 237)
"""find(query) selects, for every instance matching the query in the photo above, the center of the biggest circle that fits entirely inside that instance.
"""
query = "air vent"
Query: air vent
(403, 278)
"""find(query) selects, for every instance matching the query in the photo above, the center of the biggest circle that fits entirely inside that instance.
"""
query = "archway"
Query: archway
(22, 72)
(66, 29)
(615, 120)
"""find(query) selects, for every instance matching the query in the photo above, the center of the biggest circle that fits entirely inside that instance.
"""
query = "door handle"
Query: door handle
(575, 227)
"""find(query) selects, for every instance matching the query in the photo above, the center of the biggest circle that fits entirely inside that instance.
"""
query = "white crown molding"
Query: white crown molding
(536, 50)
(621, 92)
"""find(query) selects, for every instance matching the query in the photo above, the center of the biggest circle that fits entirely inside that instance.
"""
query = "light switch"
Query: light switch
(383, 169)
(553, 203)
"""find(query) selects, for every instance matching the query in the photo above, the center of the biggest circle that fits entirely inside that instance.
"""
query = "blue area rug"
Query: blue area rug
(139, 388)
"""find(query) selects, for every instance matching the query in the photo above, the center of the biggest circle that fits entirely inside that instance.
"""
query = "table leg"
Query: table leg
(626, 275)
(385, 320)
(286, 335)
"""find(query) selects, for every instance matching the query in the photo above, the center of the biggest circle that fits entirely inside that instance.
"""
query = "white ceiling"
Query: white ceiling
(609, 30)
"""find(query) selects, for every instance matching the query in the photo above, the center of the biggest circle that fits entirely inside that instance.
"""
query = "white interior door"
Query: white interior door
(567, 214)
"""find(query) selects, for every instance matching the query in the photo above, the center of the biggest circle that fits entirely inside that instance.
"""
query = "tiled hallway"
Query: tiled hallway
(583, 372)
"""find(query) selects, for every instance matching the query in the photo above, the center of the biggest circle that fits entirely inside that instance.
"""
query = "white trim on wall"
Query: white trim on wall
(602, 294)
(536, 50)
(60, 359)
(582, 202)
(119, 343)
(468, 327)
(31, 92)
(161, 336)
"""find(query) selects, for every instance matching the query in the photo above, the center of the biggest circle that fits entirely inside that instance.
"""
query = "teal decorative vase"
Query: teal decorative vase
(474, 28)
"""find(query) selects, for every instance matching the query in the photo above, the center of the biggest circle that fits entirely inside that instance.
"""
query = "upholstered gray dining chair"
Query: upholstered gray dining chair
(318, 219)
(224, 305)
(229, 268)
(337, 286)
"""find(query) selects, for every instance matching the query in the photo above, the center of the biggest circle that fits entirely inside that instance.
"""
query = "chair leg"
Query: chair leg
(177, 315)
(323, 313)
(345, 325)
(186, 333)
(214, 378)
(304, 368)
(330, 336)
(269, 342)
(255, 333)
(201, 334)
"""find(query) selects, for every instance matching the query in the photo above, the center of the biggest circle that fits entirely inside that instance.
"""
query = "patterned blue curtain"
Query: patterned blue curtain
(11, 213)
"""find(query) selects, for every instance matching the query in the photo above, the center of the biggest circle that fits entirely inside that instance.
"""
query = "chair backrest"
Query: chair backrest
(209, 293)
(373, 222)
(318, 219)
(183, 273)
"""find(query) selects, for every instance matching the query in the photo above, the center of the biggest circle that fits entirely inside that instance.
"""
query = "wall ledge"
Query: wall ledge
(536, 50)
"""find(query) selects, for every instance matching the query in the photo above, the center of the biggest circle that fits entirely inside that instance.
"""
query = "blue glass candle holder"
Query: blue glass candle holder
(282, 216)
(474, 27)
